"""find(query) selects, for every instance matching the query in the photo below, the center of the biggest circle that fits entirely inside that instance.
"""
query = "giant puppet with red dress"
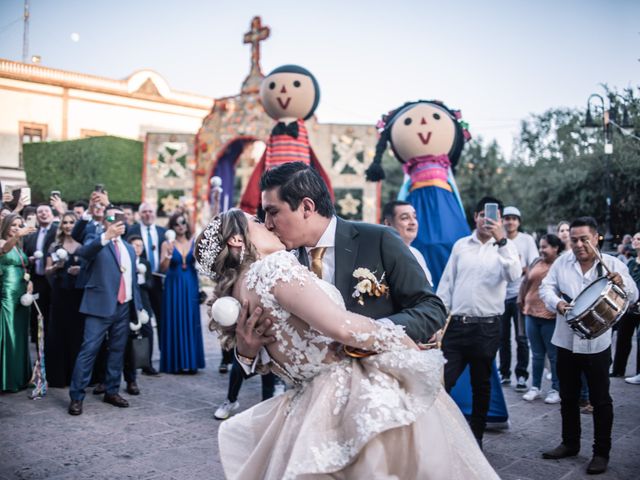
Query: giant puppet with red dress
(290, 95)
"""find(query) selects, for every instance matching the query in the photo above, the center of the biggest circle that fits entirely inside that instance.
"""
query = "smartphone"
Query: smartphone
(55, 193)
(491, 211)
(99, 188)
(119, 217)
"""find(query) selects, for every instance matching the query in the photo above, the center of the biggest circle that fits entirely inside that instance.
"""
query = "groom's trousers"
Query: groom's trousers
(472, 341)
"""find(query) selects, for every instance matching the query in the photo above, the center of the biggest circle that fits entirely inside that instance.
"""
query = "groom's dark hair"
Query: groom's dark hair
(298, 180)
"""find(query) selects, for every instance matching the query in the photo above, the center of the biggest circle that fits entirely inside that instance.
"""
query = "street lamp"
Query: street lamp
(609, 118)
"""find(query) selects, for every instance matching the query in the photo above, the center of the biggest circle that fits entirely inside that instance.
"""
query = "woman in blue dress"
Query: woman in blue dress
(182, 348)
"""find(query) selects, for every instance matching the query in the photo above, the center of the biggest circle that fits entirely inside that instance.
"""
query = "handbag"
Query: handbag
(137, 352)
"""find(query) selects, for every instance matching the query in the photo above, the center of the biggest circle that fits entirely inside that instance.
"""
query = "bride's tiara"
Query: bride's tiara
(209, 247)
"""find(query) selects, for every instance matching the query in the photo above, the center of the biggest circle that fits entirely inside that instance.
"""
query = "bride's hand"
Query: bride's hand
(253, 332)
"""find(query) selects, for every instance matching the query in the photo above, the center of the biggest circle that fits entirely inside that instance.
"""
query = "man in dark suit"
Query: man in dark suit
(111, 297)
(152, 236)
(299, 210)
(40, 241)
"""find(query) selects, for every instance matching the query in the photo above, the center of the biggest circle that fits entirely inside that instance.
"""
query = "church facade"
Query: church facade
(231, 140)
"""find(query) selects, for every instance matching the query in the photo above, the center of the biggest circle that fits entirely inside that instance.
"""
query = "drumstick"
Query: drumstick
(595, 250)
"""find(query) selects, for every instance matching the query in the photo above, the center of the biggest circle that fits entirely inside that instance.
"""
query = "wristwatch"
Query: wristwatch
(501, 243)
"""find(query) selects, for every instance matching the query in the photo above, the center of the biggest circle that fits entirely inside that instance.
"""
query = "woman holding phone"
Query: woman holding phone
(182, 348)
(15, 364)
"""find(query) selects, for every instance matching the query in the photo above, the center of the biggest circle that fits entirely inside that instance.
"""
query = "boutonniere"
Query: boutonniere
(368, 284)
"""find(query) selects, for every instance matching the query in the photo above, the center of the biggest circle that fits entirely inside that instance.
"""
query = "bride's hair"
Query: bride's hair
(223, 264)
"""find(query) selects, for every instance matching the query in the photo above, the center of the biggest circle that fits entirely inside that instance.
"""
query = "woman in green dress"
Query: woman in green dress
(15, 364)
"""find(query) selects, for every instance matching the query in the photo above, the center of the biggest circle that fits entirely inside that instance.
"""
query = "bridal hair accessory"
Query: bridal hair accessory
(225, 311)
(368, 284)
(241, 254)
(210, 247)
(170, 235)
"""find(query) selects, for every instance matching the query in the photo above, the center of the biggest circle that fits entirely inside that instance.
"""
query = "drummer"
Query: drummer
(567, 277)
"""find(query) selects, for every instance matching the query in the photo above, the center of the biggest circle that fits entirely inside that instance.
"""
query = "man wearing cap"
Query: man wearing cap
(527, 252)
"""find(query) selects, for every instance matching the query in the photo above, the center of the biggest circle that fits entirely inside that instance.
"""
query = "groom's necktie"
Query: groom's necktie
(316, 260)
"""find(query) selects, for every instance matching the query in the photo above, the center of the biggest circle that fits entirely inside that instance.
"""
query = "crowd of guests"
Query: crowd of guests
(101, 275)
(499, 278)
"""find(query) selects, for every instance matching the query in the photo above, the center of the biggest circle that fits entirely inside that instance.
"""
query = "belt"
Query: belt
(471, 319)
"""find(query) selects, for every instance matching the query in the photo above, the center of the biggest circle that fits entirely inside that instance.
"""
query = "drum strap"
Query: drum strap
(599, 271)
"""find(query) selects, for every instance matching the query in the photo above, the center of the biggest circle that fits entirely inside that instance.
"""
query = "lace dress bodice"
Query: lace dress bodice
(302, 351)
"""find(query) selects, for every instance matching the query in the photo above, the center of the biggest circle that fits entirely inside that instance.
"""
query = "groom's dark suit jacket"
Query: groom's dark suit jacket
(411, 302)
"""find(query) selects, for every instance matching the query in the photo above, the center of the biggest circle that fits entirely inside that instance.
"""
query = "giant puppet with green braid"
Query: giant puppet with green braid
(427, 138)
(290, 95)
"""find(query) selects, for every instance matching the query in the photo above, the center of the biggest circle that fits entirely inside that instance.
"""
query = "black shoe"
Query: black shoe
(152, 372)
(616, 374)
(597, 465)
(561, 451)
(100, 389)
(115, 400)
(132, 388)
(75, 407)
(223, 368)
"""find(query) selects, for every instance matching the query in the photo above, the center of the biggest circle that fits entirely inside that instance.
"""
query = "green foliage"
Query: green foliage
(74, 167)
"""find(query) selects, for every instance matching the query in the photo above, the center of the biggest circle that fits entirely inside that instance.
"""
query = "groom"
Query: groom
(299, 211)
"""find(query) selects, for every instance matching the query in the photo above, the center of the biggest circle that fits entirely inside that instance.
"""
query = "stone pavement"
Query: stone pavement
(169, 432)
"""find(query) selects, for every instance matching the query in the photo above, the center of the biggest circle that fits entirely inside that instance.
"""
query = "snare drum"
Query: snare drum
(597, 308)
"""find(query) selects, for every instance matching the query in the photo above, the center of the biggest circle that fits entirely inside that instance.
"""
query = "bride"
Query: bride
(385, 416)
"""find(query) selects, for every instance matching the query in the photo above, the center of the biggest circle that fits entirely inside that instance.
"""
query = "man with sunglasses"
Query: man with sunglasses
(111, 298)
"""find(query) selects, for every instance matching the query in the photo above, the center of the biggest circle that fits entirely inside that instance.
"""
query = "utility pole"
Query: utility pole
(25, 38)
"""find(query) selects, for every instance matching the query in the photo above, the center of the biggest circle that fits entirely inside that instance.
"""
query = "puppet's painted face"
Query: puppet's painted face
(423, 129)
(288, 95)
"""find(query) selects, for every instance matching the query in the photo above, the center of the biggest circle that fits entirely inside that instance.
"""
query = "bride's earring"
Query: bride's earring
(241, 254)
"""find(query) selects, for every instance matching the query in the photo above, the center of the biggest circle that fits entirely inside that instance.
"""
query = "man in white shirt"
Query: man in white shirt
(527, 252)
(401, 216)
(568, 276)
(473, 288)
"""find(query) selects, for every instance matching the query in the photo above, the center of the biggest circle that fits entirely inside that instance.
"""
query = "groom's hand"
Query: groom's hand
(253, 332)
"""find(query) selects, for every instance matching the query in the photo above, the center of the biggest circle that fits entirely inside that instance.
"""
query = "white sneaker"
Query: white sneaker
(225, 410)
(552, 397)
(633, 380)
(532, 394)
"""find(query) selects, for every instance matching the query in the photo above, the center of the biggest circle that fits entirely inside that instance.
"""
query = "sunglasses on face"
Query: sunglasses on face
(181, 221)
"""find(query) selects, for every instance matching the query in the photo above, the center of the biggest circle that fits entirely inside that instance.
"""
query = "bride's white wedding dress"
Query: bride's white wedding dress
(386, 416)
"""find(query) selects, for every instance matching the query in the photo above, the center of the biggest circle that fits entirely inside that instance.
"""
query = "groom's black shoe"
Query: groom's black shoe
(75, 407)
(561, 451)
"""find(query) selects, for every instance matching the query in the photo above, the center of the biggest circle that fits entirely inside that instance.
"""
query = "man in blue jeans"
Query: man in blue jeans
(528, 252)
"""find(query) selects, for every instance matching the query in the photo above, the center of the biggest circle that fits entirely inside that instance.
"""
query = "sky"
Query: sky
(498, 61)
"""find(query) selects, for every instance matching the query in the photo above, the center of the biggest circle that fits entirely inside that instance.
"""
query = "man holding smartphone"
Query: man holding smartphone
(473, 287)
